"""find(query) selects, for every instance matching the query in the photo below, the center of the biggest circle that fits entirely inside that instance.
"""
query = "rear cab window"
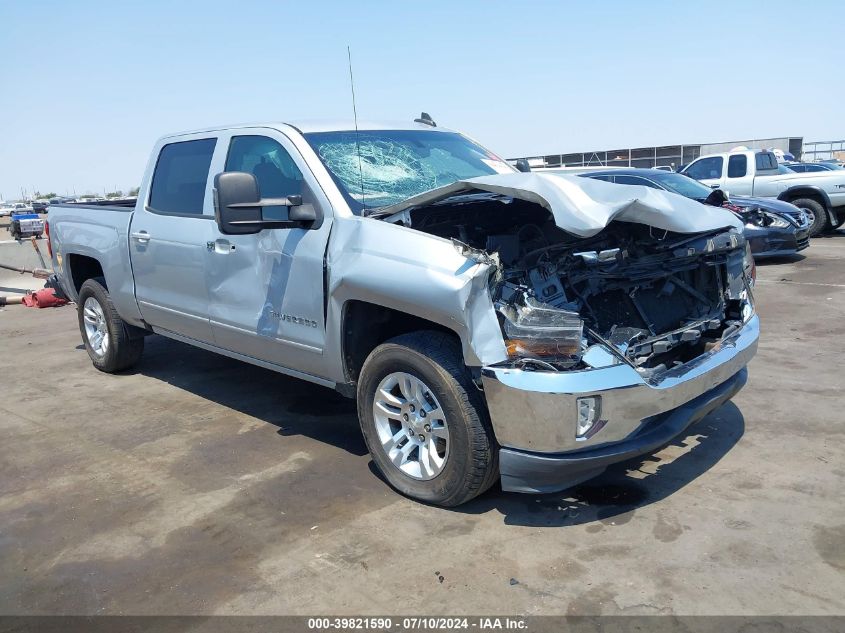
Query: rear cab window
(180, 177)
(766, 161)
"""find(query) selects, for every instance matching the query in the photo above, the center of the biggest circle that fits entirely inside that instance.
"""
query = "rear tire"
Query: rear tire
(820, 220)
(111, 343)
(465, 462)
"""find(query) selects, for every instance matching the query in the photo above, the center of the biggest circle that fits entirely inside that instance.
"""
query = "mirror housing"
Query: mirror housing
(238, 206)
(523, 165)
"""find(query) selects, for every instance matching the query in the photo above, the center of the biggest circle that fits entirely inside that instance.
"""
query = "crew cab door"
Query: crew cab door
(707, 170)
(267, 289)
(739, 175)
(168, 239)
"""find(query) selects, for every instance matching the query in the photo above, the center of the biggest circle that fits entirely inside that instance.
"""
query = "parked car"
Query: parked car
(491, 323)
(26, 225)
(772, 227)
(802, 168)
(757, 173)
(21, 207)
(39, 207)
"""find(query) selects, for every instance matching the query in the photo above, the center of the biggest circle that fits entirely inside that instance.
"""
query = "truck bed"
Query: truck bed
(81, 234)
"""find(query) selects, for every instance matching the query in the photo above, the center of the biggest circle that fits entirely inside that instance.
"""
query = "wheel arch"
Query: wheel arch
(81, 268)
(812, 192)
(366, 325)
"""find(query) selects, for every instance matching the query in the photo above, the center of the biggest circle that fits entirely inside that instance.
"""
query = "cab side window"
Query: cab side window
(766, 160)
(706, 168)
(277, 174)
(180, 177)
(737, 166)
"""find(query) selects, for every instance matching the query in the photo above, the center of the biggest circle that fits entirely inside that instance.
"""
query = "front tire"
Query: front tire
(819, 213)
(424, 420)
(110, 342)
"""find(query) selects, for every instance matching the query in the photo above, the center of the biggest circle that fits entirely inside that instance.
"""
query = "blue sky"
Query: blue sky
(88, 86)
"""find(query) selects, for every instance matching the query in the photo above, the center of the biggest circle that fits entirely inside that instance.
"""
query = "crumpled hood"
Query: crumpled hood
(584, 206)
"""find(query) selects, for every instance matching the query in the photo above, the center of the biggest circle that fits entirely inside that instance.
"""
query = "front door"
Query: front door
(707, 170)
(169, 237)
(266, 289)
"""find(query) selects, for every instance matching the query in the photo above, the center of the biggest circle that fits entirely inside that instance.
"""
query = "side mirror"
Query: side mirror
(238, 206)
(522, 165)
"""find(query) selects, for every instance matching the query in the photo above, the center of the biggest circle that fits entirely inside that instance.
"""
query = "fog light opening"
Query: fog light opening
(589, 413)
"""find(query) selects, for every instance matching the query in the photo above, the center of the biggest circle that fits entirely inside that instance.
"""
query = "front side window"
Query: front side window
(737, 166)
(180, 177)
(377, 168)
(277, 174)
(706, 168)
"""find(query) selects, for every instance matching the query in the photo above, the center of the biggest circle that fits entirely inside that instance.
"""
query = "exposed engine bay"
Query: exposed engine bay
(655, 298)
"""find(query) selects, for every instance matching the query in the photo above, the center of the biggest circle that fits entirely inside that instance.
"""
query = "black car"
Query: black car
(773, 228)
(39, 207)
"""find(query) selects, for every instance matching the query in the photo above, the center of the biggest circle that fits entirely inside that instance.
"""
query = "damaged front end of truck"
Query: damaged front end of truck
(596, 291)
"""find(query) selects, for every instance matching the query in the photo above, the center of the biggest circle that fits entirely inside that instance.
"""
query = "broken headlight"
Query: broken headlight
(535, 330)
(767, 220)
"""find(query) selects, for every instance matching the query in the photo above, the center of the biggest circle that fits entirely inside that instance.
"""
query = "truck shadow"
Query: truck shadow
(295, 406)
(840, 232)
(299, 408)
(613, 497)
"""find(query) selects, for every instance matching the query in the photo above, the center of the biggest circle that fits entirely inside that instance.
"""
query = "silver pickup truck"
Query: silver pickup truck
(491, 323)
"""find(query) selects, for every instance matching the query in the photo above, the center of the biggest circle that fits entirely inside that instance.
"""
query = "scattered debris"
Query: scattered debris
(514, 581)
(44, 298)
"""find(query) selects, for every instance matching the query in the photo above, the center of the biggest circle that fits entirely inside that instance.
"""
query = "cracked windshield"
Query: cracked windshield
(397, 164)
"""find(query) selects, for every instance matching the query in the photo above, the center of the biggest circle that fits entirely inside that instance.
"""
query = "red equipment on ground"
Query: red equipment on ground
(44, 298)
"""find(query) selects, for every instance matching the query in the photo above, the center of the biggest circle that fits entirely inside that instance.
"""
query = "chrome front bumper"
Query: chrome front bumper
(536, 411)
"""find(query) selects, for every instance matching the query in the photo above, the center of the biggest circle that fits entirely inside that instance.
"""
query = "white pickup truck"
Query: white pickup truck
(757, 173)
(490, 323)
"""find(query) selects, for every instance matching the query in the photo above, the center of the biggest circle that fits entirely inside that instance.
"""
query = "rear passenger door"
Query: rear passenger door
(267, 289)
(168, 239)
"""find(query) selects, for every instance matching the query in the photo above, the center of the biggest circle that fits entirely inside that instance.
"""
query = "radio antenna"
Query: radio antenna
(355, 117)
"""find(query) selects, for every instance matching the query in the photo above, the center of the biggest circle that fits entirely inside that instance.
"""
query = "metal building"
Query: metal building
(660, 156)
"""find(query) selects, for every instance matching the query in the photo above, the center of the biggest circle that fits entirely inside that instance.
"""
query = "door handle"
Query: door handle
(141, 236)
(223, 247)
